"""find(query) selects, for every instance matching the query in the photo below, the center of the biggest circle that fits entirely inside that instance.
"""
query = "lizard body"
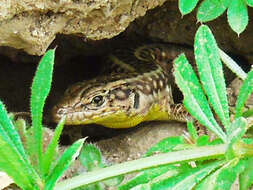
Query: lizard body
(138, 89)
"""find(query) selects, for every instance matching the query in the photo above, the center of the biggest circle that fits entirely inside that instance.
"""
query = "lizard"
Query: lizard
(138, 89)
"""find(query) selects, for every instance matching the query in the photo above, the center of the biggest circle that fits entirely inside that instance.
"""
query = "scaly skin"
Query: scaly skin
(138, 89)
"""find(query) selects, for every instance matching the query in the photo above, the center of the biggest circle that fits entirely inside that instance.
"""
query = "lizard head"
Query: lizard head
(101, 102)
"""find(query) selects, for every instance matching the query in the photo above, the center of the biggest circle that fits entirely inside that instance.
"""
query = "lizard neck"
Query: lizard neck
(143, 93)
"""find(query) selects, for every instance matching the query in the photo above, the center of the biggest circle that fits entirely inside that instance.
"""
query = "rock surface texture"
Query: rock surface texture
(32, 25)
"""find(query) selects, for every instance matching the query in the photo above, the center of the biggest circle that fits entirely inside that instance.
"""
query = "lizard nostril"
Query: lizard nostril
(61, 111)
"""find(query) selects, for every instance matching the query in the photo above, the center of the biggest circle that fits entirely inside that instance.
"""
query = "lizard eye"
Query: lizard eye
(98, 100)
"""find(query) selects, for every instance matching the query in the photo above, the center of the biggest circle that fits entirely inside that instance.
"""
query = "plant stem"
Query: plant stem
(199, 153)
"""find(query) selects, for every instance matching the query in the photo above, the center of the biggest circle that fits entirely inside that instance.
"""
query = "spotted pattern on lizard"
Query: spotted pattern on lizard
(139, 88)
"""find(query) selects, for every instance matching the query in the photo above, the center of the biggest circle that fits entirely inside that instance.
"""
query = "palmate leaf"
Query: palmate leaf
(186, 6)
(40, 89)
(237, 130)
(194, 98)
(245, 91)
(210, 71)
(222, 178)
(235, 134)
(187, 179)
(238, 15)
(211, 9)
(246, 177)
(148, 175)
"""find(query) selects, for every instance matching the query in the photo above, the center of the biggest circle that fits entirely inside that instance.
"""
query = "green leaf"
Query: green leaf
(142, 187)
(245, 91)
(192, 130)
(40, 89)
(91, 157)
(211, 9)
(228, 176)
(13, 159)
(188, 179)
(248, 113)
(211, 73)
(9, 132)
(246, 177)
(183, 156)
(148, 175)
(186, 6)
(222, 178)
(21, 127)
(238, 15)
(250, 2)
(16, 167)
(235, 133)
(63, 163)
(115, 181)
(248, 140)
(216, 142)
(51, 151)
(203, 140)
(194, 98)
(232, 65)
(166, 145)
(237, 130)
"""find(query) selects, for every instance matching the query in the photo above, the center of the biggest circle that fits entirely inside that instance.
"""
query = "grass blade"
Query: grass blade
(245, 91)
(50, 153)
(40, 89)
(194, 98)
(63, 163)
(211, 73)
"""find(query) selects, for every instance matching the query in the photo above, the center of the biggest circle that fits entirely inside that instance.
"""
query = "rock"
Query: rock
(134, 144)
(166, 24)
(32, 25)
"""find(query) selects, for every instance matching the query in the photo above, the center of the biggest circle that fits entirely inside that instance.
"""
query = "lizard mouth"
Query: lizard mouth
(72, 116)
(59, 112)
